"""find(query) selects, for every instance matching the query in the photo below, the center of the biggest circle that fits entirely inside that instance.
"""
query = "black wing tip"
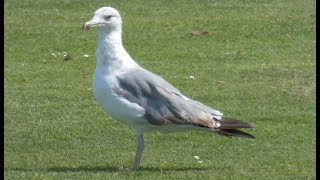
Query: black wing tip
(251, 125)
(236, 133)
(227, 123)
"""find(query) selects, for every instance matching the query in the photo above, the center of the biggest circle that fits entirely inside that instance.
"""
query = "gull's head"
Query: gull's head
(105, 18)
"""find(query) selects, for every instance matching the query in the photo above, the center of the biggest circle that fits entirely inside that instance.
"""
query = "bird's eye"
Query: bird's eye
(107, 18)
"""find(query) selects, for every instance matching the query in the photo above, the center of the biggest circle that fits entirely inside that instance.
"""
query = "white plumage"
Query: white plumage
(144, 100)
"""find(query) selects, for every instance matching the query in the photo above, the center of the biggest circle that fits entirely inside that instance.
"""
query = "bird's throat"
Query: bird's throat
(110, 52)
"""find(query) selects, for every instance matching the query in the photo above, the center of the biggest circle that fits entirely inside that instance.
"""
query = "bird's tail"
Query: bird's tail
(229, 127)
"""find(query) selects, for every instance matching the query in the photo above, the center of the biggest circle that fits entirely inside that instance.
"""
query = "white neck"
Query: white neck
(111, 54)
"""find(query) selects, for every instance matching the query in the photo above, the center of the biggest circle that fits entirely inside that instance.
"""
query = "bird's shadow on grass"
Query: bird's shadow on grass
(123, 169)
(97, 169)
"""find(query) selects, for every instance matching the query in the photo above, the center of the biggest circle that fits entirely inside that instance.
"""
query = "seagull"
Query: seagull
(142, 99)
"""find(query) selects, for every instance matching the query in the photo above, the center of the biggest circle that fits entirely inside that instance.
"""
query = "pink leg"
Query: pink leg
(138, 152)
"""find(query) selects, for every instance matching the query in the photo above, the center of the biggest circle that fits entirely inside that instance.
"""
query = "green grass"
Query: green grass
(257, 64)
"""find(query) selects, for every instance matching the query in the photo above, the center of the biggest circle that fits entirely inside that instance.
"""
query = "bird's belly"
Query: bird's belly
(116, 106)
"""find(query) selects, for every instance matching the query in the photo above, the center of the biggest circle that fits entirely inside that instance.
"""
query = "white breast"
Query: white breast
(115, 106)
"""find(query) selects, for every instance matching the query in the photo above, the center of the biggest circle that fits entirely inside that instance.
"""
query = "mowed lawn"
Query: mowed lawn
(257, 63)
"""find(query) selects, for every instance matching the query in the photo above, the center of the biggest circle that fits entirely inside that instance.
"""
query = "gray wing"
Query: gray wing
(163, 103)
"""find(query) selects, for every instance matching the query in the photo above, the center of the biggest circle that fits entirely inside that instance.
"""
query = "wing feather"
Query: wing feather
(164, 104)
